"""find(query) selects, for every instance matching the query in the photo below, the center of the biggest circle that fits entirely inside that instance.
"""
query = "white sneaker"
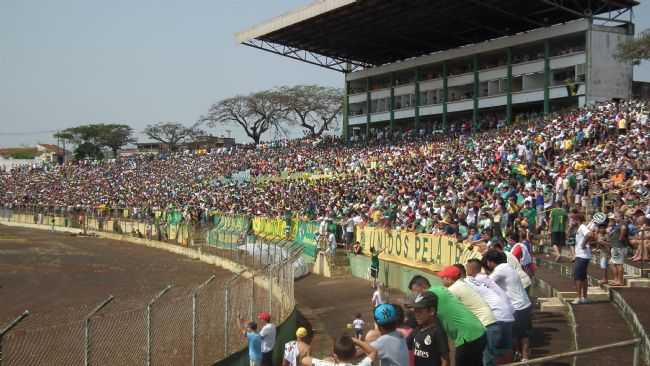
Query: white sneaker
(577, 301)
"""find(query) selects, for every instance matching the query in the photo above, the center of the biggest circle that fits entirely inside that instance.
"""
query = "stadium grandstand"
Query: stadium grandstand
(453, 65)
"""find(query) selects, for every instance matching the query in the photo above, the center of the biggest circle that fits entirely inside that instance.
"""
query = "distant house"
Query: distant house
(31, 156)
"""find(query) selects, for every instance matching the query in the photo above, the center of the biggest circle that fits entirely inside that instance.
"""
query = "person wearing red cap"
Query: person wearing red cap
(267, 333)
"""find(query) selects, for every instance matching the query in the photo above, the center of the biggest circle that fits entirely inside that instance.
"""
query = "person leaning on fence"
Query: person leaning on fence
(249, 330)
(268, 333)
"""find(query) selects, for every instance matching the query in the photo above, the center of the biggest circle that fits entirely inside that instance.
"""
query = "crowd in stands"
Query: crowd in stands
(583, 176)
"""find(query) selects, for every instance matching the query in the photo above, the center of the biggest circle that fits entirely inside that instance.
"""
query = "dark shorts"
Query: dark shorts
(558, 238)
(471, 353)
(374, 271)
(523, 323)
(267, 358)
(580, 269)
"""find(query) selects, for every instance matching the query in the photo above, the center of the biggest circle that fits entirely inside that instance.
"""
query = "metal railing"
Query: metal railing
(632, 342)
(189, 329)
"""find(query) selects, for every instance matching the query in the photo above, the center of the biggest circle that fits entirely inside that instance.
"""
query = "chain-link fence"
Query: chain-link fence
(196, 329)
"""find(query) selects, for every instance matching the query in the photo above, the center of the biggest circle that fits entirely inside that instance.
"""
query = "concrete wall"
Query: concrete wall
(607, 77)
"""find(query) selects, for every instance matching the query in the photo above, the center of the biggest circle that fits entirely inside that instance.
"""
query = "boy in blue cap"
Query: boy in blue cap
(391, 346)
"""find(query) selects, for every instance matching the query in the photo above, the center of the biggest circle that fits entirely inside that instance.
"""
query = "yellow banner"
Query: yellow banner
(273, 228)
(424, 251)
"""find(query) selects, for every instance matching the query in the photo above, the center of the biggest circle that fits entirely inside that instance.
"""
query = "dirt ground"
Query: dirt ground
(59, 278)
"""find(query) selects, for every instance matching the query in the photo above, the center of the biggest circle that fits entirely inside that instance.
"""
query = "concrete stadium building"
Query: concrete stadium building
(449, 65)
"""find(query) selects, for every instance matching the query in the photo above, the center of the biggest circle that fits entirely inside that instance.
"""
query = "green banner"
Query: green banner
(306, 236)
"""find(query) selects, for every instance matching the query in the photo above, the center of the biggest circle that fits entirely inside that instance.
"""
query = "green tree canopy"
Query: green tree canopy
(635, 50)
(111, 136)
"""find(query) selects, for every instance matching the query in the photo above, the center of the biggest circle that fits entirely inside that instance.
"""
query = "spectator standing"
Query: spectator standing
(461, 325)
(618, 237)
(358, 324)
(254, 342)
(344, 353)
(504, 275)
(585, 236)
(391, 345)
(559, 218)
(378, 297)
(428, 341)
(268, 333)
(296, 351)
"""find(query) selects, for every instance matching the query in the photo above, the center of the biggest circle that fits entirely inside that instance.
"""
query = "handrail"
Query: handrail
(636, 342)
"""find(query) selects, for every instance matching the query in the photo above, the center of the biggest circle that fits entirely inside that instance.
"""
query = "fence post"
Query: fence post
(6, 329)
(87, 328)
(226, 323)
(195, 320)
(635, 360)
(252, 304)
(270, 289)
(149, 335)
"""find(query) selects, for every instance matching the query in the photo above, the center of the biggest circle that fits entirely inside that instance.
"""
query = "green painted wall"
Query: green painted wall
(394, 275)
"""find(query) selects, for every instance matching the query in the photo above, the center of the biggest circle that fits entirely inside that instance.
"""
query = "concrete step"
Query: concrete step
(639, 282)
(551, 305)
(597, 294)
(567, 296)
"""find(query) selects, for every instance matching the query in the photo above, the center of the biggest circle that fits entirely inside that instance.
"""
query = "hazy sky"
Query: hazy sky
(68, 62)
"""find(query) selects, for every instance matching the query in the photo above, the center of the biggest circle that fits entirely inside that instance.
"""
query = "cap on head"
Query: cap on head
(385, 314)
(264, 316)
(599, 218)
(426, 299)
(451, 272)
(301, 332)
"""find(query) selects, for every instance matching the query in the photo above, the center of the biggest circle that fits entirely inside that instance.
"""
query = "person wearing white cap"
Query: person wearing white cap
(585, 236)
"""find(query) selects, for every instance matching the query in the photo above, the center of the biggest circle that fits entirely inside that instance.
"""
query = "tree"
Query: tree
(172, 133)
(88, 150)
(313, 107)
(255, 113)
(635, 50)
(112, 136)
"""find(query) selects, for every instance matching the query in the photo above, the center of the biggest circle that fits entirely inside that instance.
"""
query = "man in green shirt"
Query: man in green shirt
(530, 214)
(461, 325)
(559, 219)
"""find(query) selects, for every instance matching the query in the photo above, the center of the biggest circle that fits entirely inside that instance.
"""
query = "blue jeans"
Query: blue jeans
(498, 339)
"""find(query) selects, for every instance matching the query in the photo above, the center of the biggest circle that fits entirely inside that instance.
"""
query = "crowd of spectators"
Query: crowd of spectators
(496, 183)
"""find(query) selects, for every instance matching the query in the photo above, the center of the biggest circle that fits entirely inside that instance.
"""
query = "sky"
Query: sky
(69, 62)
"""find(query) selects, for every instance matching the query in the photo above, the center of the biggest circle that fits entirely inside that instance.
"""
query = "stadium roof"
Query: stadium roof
(367, 33)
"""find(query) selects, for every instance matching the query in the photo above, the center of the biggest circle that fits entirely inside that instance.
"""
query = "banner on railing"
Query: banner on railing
(306, 235)
(425, 251)
(274, 228)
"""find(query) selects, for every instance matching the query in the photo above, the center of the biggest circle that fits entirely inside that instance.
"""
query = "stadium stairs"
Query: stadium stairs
(615, 313)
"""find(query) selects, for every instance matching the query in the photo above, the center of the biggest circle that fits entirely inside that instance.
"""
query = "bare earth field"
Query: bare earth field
(59, 278)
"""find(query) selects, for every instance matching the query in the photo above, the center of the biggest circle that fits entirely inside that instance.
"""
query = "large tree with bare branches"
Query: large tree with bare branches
(315, 108)
(255, 113)
(172, 133)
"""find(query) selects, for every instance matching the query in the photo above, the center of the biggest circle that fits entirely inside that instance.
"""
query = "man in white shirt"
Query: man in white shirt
(452, 278)
(585, 235)
(507, 278)
(501, 308)
(267, 333)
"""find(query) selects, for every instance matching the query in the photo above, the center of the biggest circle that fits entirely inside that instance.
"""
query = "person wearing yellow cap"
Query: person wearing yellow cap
(296, 351)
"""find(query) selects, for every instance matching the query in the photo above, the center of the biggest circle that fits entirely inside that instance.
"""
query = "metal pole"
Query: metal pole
(270, 289)
(195, 320)
(226, 322)
(9, 327)
(87, 328)
(252, 303)
(635, 359)
(149, 335)
(585, 351)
